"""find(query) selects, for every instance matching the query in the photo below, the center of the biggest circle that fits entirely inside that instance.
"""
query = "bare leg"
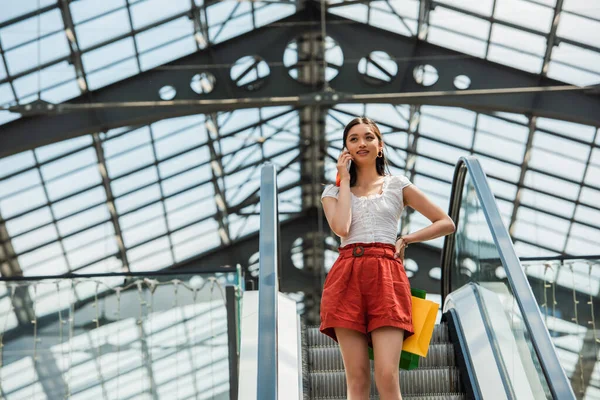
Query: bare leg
(353, 345)
(387, 345)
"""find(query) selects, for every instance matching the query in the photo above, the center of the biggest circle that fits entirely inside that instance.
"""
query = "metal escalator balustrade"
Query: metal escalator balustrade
(479, 262)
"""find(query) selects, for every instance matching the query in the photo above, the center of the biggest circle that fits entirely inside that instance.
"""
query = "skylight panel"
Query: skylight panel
(83, 220)
(168, 52)
(160, 258)
(483, 7)
(2, 75)
(27, 30)
(578, 57)
(593, 176)
(68, 164)
(521, 13)
(44, 254)
(28, 221)
(73, 182)
(128, 141)
(92, 252)
(266, 13)
(30, 56)
(133, 181)
(195, 239)
(58, 149)
(383, 114)
(434, 168)
(178, 142)
(516, 59)
(186, 179)
(499, 147)
(12, 186)
(165, 33)
(456, 41)
(384, 18)
(79, 202)
(82, 10)
(112, 74)
(104, 28)
(20, 8)
(556, 164)
(579, 29)
(146, 12)
(459, 23)
(518, 39)
(549, 203)
(200, 208)
(6, 96)
(148, 229)
(22, 202)
(567, 148)
(576, 245)
(107, 55)
(583, 7)
(572, 75)
(131, 160)
(538, 235)
(356, 12)
(183, 162)
(446, 131)
(138, 198)
(240, 22)
(82, 239)
(499, 169)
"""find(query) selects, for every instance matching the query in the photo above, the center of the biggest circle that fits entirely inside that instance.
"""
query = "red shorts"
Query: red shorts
(367, 288)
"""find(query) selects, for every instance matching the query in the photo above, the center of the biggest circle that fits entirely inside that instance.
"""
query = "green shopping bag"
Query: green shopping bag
(408, 361)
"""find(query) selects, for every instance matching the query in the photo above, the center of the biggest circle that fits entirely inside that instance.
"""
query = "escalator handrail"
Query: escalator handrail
(555, 375)
(268, 285)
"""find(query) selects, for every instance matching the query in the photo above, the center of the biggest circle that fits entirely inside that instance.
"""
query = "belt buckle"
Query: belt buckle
(358, 251)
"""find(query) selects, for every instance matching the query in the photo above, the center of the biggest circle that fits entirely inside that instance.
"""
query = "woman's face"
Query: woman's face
(363, 144)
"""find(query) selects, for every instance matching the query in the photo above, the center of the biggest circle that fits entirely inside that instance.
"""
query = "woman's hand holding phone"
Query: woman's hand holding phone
(343, 167)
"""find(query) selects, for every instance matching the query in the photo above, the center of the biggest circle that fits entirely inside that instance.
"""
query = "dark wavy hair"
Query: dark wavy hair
(381, 163)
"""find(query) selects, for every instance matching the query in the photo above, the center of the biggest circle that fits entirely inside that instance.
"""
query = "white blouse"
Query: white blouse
(375, 218)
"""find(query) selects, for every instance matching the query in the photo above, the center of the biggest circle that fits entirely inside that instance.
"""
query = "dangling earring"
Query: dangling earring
(380, 154)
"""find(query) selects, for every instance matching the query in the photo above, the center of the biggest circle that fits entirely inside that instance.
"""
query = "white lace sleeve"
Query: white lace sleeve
(402, 182)
(330, 191)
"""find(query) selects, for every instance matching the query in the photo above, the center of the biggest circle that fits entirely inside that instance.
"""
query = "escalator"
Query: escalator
(437, 378)
(491, 342)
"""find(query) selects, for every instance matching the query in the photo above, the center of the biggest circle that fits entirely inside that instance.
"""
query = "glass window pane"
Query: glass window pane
(112, 74)
(95, 60)
(579, 29)
(164, 33)
(19, 8)
(519, 12)
(86, 9)
(26, 57)
(27, 30)
(102, 29)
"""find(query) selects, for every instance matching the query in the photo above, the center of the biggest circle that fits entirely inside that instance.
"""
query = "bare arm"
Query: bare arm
(441, 223)
(339, 212)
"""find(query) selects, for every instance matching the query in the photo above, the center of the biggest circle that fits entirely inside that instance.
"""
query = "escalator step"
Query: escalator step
(416, 382)
(316, 338)
(452, 396)
(329, 358)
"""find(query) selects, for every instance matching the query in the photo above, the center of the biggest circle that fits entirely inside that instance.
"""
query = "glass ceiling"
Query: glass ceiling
(164, 189)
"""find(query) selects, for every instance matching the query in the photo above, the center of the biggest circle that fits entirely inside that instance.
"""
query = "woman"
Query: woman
(366, 299)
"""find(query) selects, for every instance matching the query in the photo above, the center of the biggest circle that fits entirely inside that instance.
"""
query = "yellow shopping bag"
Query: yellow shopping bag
(424, 313)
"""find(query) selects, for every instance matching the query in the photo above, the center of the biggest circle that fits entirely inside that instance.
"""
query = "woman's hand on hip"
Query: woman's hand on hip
(401, 245)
